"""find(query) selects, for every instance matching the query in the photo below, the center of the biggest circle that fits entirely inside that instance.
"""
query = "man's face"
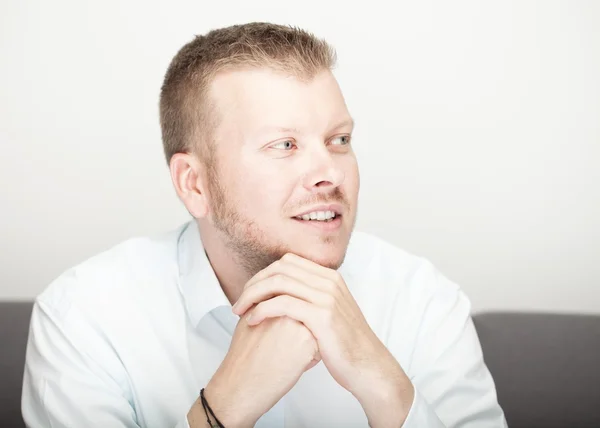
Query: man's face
(283, 166)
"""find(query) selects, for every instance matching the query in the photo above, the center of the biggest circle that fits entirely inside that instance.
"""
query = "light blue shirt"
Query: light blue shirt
(129, 337)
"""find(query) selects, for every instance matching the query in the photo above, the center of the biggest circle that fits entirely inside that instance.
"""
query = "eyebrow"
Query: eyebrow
(285, 130)
(348, 122)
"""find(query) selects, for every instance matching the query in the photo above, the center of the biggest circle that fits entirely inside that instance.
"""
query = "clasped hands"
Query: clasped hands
(319, 298)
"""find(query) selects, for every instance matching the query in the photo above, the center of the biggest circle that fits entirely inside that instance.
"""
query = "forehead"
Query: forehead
(256, 98)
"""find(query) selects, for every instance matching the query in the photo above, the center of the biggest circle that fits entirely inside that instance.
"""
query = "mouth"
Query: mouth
(321, 220)
(321, 216)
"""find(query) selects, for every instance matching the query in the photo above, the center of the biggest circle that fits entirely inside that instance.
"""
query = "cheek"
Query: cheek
(260, 191)
(352, 176)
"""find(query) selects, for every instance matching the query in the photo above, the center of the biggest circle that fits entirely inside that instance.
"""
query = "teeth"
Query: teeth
(318, 216)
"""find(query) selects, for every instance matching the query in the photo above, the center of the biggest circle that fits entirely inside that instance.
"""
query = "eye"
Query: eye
(284, 145)
(340, 140)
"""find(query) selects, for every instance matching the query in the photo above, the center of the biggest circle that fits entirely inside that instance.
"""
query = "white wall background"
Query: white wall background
(478, 133)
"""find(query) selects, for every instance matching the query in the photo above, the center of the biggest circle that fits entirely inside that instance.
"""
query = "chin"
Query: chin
(332, 260)
(331, 264)
(327, 251)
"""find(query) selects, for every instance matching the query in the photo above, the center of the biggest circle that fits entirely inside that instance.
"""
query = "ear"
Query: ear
(187, 174)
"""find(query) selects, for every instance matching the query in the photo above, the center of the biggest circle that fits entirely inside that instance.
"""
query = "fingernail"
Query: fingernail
(249, 317)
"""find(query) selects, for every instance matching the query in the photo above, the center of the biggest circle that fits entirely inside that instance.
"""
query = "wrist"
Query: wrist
(388, 406)
(231, 410)
(386, 397)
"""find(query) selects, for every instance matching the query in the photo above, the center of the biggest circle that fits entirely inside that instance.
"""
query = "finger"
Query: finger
(293, 271)
(276, 285)
(329, 276)
(275, 267)
(261, 275)
(308, 265)
(289, 306)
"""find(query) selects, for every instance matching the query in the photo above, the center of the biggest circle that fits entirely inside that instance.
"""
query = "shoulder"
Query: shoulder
(404, 296)
(382, 264)
(115, 276)
(375, 256)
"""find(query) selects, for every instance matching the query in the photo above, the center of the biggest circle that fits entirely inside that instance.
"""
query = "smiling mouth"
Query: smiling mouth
(319, 216)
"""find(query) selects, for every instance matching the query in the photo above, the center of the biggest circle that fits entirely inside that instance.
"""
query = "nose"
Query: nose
(324, 172)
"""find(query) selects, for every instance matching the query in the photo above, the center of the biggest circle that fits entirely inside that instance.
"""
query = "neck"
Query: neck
(229, 271)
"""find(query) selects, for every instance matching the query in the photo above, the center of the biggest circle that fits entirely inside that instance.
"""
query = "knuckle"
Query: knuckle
(263, 307)
(277, 282)
(282, 299)
(326, 317)
(256, 311)
(277, 279)
(335, 276)
(305, 335)
(289, 325)
(331, 287)
(279, 321)
(329, 301)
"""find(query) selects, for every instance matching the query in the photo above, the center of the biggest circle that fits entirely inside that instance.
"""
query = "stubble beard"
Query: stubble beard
(246, 240)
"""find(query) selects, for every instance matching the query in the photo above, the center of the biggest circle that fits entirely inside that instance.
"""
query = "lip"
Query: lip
(323, 226)
(336, 208)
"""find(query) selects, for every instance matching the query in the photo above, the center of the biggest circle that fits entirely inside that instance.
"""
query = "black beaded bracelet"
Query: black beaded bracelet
(208, 410)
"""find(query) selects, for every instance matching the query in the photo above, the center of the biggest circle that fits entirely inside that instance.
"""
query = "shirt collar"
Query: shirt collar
(198, 283)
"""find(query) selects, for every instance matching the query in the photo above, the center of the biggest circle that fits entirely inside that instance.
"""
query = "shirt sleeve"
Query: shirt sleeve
(183, 423)
(421, 414)
(453, 386)
(64, 385)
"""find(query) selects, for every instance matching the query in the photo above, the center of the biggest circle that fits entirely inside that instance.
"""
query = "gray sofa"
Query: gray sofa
(546, 366)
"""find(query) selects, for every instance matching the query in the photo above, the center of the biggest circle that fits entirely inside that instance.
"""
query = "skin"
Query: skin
(283, 147)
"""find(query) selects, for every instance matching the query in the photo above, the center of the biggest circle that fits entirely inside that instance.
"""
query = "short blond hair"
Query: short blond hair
(186, 116)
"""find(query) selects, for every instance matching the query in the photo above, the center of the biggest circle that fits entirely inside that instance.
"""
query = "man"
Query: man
(328, 328)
